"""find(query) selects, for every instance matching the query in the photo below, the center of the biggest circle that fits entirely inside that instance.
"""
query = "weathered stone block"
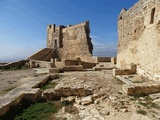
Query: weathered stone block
(121, 72)
(73, 68)
(141, 89)
(86, 101)
(54, 70)
(113, 60)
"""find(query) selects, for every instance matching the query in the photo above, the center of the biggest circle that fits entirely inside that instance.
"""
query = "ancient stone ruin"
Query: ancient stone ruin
(139, 40)
(94, 94)
(68, 47)
(72, 42)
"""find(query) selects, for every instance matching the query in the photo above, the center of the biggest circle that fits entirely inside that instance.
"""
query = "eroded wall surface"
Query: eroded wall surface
(72, 42)
(139, 38)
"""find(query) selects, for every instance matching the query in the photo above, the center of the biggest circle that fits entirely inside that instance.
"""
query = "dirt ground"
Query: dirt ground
(114, 106)
(10, 79)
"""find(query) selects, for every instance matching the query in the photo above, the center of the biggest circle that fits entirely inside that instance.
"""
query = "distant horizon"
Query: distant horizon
(98, 54)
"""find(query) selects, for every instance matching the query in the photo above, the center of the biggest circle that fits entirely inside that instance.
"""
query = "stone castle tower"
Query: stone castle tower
(71, 42)
(54, 36)
(139, 38)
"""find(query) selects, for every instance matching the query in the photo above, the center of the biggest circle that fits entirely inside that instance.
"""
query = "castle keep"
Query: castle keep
(72, 42)
(67, 47)
(139, 38)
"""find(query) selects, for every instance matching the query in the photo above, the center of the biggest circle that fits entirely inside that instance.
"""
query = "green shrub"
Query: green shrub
(38, 111)
(48, 85)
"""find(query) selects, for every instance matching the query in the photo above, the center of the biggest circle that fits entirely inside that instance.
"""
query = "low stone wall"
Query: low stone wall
(59, 64)
(126, 71)
(54, 70)
(77, 62)
(42, 64)
(73, 68)
(62, 64)
(103, 59)
(121, 72)
(13, 64)
(142, 89)
(72, 62)
(88, 65)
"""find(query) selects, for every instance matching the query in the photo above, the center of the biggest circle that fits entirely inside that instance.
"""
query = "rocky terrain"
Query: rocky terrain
(91, 95)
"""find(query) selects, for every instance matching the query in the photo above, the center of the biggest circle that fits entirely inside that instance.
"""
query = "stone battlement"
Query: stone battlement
(72, 42)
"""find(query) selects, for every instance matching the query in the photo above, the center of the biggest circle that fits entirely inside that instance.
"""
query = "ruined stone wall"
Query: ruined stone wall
(77, 43)
(50, 31)
(17, 64)
(54, 36)
(139, 38)
(72, 42)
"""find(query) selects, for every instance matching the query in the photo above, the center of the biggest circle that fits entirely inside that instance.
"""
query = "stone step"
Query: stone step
(142, 88)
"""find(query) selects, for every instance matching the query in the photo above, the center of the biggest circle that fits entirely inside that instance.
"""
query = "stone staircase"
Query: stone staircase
(44, 54)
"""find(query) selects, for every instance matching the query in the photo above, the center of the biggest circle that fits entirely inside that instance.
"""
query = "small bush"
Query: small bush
(38, 111)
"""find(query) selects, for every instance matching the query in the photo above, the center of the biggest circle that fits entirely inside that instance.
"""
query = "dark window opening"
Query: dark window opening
(50, 26)
(152, 16)
(55, 43)
(120, 17)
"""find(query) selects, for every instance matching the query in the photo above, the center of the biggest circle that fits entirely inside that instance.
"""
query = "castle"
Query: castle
(68, 47)
(71, 42)
(139, 38)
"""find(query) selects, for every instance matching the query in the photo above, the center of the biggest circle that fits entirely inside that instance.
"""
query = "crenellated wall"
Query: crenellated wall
(72, 42)
(139, 38)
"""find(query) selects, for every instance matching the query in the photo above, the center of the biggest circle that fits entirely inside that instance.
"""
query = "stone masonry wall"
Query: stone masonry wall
(77, 43)
(72, 42)
(139, 38)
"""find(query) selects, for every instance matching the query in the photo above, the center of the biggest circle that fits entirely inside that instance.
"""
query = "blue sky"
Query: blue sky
(23, 23)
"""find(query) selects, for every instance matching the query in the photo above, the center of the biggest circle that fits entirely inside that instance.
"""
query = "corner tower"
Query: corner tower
(54, 36)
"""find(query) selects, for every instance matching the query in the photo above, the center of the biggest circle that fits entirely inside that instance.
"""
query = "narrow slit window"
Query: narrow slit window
(152, 16)
(55, 43)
